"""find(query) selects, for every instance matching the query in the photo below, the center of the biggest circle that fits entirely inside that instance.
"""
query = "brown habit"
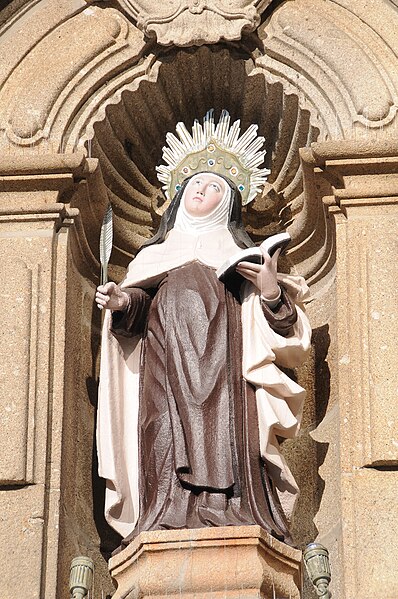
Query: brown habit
(199, 456)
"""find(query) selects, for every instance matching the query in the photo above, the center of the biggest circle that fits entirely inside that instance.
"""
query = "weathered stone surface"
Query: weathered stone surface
(328, 517)
(370, 534)
(36, 104)
(22, 529)
(324, 49)
(232, 562)
(18, 36)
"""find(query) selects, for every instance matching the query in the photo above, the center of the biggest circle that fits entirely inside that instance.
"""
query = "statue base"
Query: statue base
(233, 562)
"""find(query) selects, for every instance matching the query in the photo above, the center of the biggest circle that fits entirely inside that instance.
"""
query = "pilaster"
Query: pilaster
(36, 224)
(359, 183)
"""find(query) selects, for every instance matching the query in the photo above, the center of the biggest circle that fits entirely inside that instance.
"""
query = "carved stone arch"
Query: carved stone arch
(333, 54)
(115, 84)
(36, 104)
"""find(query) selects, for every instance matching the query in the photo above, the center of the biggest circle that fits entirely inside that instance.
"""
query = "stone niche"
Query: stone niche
(226, 77)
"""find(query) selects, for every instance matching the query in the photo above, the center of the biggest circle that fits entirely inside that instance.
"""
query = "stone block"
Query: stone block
(366, 272)
(370, 534)
(22, 532)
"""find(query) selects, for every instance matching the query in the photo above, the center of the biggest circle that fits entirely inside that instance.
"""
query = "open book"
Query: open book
(227, 273)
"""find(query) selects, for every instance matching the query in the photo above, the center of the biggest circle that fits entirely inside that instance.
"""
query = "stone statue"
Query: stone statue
(192, 399)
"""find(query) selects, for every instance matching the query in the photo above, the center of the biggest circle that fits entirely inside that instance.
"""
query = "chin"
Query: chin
(194, 212)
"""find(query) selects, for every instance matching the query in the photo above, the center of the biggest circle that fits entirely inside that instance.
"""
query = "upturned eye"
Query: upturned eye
(216, 187)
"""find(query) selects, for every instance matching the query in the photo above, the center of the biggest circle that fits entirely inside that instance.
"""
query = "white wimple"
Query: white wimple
(246, 148)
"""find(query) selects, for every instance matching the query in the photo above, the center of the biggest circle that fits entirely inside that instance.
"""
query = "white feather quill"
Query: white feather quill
(106, 241)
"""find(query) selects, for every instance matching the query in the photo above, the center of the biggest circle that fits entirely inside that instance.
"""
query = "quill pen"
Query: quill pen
(106, 240)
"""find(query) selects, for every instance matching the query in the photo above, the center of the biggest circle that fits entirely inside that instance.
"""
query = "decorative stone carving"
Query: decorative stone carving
(28, 117)
(24, 24)
(328, 69)
(51, 110)
(195, 22)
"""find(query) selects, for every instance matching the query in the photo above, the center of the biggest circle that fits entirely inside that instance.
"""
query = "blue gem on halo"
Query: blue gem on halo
(211, 162)
(241, 188)
(178, 187)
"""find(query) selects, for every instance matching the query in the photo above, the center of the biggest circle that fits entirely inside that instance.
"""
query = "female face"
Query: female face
(203, 193)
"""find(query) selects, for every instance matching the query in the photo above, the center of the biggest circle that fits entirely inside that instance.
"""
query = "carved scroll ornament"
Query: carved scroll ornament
(195, 22)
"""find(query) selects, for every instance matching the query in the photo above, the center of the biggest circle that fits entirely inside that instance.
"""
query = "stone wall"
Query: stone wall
(87, 92)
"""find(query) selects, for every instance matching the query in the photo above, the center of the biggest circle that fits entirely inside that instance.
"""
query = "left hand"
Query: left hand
(263, 276)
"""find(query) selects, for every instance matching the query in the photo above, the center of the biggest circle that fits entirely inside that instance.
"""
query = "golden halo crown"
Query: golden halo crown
(215, 148)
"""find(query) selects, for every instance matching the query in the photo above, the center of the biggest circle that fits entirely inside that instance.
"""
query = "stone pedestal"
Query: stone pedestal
(226, 562)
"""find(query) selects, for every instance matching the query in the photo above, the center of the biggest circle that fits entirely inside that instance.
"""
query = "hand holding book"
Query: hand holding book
(256, 264)
(263, 276)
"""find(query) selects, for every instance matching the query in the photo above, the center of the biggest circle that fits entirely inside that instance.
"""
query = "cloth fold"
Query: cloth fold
(279, 399)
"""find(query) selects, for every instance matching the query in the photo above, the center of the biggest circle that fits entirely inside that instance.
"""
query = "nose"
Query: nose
(202, 188)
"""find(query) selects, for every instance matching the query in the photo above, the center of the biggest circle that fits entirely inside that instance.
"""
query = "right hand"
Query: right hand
(111, 297)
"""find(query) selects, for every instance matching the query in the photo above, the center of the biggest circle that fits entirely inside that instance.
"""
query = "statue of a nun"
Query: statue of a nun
(192, 400)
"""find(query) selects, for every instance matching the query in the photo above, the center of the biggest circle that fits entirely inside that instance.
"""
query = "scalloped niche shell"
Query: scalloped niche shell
(128, 140)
